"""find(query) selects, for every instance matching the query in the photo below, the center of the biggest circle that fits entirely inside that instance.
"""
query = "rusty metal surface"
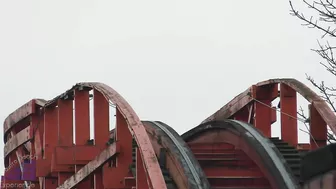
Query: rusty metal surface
(181, 163)
(232, 107)
(17, 140)
(21, 113)
(186, 157)
(89, 168)
(152, 169)
(171, 163)
(155, 179)
(258, 145)
(244, 98)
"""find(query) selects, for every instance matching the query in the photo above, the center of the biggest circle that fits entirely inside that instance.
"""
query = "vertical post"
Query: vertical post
(98, 180)
(50, 140)
(262, 119)
(124, 158)
(318, 129)
(37, 132)
(101, 129)
(288, 106)
(262, 107)
(65, 120)
(141, 179)
(82, 125)
(65, 131)
(38, 141)
(50, 131)
(82, 117)
(101, 118)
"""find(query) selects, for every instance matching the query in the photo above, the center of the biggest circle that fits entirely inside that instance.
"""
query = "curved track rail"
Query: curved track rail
(183, 166)
(48, 143)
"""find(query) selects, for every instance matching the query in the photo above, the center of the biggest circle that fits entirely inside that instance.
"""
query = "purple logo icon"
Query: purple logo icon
(28, 173)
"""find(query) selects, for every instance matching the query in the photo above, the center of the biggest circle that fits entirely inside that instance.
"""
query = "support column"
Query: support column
(318, 129)
(82, 125)
(141, 179)
(262, 107)
(101, 130)
(120, 169)
(288, 106)
(65, 132)
(50, 141)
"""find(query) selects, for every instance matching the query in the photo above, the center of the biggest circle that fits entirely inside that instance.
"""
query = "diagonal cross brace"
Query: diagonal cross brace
(89, 168)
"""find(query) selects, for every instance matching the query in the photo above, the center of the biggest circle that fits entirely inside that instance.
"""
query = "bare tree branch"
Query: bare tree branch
(326, 16)
(322, 18)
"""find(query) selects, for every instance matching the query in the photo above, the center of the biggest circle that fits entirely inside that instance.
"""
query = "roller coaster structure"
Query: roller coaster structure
(48, 145)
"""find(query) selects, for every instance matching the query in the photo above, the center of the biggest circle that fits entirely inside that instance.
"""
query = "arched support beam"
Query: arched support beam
(128, 127)
(289, 88)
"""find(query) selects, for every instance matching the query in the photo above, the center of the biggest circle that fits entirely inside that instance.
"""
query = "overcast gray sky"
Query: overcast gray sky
(174, 61)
